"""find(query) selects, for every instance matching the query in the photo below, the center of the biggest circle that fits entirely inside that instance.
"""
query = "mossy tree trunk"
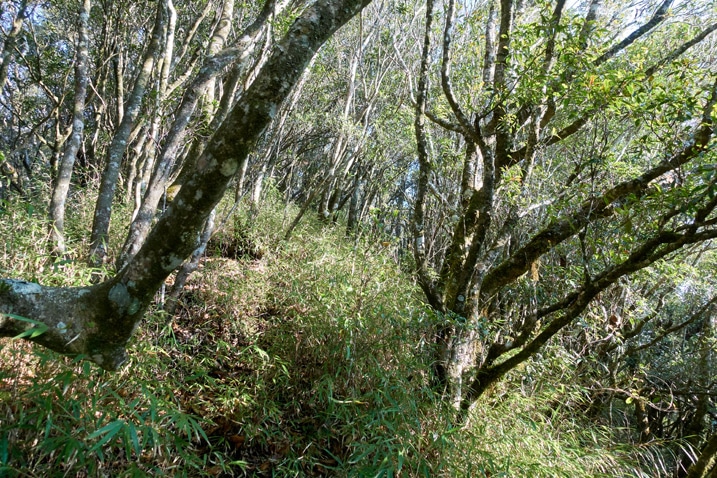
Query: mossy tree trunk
(706, 462)
(97, 321)
(485, 285)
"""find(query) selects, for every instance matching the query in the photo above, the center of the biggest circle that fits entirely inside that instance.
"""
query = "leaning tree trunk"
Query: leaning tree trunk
(97, 321)
(64, 172)
(706, 462)
(216, 62)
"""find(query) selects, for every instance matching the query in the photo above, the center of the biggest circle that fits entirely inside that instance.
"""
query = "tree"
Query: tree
(345, 111)
(10, 40)
(103, 208)
(99, 320)
(561, 153)
(525, 260)
(64, 171)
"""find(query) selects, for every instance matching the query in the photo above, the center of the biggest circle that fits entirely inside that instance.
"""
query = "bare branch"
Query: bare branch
(659, 16)
(677, 52)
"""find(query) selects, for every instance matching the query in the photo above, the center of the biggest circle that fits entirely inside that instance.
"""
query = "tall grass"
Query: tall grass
(311, 361)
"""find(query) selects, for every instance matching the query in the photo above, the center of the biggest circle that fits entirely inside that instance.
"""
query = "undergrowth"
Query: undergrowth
(301, 358)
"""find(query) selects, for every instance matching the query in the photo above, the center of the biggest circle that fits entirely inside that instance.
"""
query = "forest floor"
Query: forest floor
(301, 358)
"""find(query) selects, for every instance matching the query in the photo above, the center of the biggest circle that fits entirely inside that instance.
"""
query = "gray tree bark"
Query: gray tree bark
(189, 266)
(118, 146)
(215, 63)
(97, 321)
(64, 171)
(10, 40)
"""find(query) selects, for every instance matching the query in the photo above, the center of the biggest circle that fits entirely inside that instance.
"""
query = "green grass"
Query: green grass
(311, 361)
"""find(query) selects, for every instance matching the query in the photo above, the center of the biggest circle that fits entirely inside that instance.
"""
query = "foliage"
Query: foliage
(313, 361)
(591, 350)
(547, 430)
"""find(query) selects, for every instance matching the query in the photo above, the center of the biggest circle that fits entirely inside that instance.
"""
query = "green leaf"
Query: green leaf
(132, 431)
(628, 226)
(38, 327)
(107, 432)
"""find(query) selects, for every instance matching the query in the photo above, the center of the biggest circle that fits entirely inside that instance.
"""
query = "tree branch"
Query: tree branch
(648, 253)
(659, 16)
(419, 214)
(98, 321)
(463, 120)
(561, 229)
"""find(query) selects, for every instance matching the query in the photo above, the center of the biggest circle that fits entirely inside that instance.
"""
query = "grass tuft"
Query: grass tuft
(301, 358)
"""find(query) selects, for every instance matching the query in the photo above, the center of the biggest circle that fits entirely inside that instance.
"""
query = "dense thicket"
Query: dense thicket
(544, 170)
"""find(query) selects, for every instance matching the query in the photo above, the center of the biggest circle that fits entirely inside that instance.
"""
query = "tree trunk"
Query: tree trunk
(166, 58)
(305, 207)
(642, 420)
(353, 216)
(99, 320)
(272, 152)
(176, 137)
(695, 427)
(10, 40)
(706, 462)
(488, 254)
(118, 146)
(189, 266)
(64, 173)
